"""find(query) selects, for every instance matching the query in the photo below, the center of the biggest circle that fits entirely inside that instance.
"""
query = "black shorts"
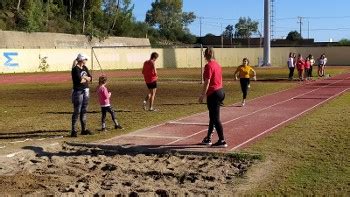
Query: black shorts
(152, 85)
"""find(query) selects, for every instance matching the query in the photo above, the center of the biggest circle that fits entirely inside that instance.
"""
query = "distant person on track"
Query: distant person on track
(321, 65)
(291, 66)
(104, 99)
(312, 62)
(80, 96)
(307, 66)
(300, 67)
(149, 72)
(213, 91)
(244, 72)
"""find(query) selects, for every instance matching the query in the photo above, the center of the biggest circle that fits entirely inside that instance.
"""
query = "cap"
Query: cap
(82, 57)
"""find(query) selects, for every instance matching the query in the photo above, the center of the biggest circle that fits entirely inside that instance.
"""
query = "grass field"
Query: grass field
(309, 156)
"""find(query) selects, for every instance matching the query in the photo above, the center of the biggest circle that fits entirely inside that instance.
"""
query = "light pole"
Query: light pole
(267, 36)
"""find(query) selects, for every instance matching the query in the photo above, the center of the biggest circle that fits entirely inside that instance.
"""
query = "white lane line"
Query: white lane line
(268, 130)
(261, 110)
(188, 123)
(153, 136)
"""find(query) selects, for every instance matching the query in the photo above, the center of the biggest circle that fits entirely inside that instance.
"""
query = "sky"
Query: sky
(322, 20)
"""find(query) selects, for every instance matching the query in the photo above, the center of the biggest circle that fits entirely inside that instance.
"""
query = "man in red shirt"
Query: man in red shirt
(149, 72)
(212, 89)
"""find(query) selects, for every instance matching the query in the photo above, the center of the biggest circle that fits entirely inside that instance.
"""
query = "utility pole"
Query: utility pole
(300, 18)
(267, 33)
(200, 28)
(308, 29)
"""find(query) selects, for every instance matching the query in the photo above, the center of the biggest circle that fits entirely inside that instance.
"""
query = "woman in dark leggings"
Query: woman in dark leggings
(212, 89)
(244, 71)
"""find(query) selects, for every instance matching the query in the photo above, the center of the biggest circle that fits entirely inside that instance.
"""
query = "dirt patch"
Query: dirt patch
(91, 171)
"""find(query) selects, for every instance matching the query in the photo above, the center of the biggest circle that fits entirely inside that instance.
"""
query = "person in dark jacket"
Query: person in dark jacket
(80, 95)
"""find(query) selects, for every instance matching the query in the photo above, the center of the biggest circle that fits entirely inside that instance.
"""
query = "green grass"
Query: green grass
(310, 156)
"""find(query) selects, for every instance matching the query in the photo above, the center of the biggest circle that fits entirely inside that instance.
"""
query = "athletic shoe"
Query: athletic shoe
(144, 105)
(118, 126)
(243, 103)
(103, 129)
(206, 141)
(220, 144)
(248, 85)
(74, 134)
(86, 132)
(152, 109)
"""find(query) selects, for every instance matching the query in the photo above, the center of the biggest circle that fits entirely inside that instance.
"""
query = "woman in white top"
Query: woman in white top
(291, 66)
(321, 65)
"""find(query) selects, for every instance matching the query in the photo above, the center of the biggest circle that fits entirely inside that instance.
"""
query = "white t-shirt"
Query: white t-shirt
(290, 62)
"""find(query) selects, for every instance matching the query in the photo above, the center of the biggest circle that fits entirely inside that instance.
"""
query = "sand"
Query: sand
(65, 170)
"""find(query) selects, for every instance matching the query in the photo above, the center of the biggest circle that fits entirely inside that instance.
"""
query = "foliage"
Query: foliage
(97, 18)
(293, 36)
(229, 31)
(168, 17)
(245, 27)
(344, 42)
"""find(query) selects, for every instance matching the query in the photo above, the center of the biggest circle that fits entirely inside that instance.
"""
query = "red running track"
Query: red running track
(242, 125)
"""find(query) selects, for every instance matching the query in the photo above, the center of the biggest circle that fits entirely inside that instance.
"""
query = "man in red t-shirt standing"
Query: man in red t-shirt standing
(149, 72)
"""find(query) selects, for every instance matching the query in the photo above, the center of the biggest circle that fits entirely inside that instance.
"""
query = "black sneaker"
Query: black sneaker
(86, 132)
(118, 126)
(73, 134)
(206, 141)
(220, 144)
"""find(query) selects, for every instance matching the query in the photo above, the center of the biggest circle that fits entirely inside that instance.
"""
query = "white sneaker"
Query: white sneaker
(243, 103)
(144, 105)
(248, 85)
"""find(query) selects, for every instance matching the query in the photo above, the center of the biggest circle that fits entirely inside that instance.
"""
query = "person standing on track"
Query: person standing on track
(291, 66)
(213, 91)
(244, 71)
(300, 67)
(149, 72)
(321, 65)
(80, 96)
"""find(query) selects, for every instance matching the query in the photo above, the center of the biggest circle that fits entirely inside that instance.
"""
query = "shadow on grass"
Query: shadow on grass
(35, 134)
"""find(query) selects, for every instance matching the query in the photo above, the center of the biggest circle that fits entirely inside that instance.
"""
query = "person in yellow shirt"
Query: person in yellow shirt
(244, 72)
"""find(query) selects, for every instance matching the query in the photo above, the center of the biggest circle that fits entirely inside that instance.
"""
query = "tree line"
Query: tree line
(165, 20)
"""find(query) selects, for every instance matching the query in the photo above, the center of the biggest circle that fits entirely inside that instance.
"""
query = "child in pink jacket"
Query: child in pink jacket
(103, 98)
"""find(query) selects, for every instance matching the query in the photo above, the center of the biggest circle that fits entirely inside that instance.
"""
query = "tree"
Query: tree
(245, 27)
(228, 33)
(168, 17)
(344, 42)
(294, 36)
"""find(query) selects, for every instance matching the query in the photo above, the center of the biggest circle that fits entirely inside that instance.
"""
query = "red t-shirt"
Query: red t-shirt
(307, 64)
(213, 71)
(148, 71)
(300, 64)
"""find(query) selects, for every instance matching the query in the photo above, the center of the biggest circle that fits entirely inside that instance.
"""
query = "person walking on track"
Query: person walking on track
(244, 71)
(149, 72)
(80, 96)
(213, 91)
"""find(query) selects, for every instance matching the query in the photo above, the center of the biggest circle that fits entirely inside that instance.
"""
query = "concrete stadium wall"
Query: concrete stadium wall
(20, 40)
(28, 60)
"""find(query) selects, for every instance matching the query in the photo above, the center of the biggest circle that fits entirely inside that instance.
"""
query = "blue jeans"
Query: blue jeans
(80, 100)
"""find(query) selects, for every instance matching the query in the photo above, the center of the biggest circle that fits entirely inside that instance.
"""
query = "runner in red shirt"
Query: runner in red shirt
(212, 89)
(149, 72)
